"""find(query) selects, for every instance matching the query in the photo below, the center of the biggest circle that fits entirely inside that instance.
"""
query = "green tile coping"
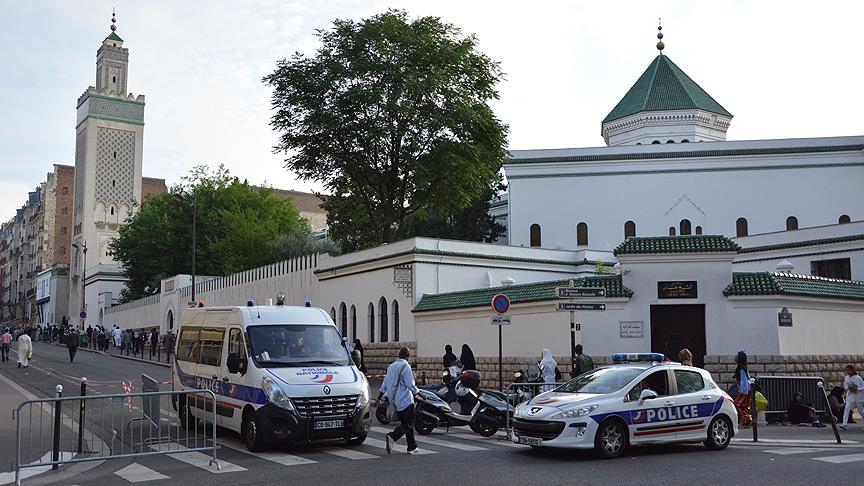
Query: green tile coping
(676, 244)
(802, 244)
(664, 87)
(113, 36)
(776, 283)
(519, 294)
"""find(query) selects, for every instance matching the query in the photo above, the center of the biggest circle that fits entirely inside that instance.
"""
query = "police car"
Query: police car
(641, 399)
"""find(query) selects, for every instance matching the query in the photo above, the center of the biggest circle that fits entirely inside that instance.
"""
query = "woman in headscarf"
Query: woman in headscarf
(835, 400)
(467, 358)
(25, 349)
(359, 348)
(449, 357)
(549, 369)
(742, 399)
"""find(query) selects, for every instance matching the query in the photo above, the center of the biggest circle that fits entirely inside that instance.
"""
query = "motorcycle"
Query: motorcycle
(485, 417)
(491, 412)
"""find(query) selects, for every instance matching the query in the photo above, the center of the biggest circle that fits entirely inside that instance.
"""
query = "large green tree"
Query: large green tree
(392, 115)
(236, 225)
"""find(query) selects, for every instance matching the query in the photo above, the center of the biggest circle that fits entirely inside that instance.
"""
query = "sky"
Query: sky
(784, 69)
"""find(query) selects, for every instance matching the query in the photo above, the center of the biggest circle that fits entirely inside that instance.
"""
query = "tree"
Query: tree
(235, 225)
(392, 116)
(299, 243)
(473, 223)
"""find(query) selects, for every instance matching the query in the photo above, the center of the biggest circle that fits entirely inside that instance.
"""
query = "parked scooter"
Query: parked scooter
(530, 386)
(490, 414)
(485, 417)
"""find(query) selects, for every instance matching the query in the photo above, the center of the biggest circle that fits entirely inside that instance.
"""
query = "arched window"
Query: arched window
(685, 228)
(581, 234)
(655, 142)
(353, 322)
(698, 230)
(741, 227)
(629, 229)
(382, 320)
(333, 314)
(343, 319)
(170, 320)
(791, 223)
(535, 234)
(844, 219)
(671, 231)
(371, 322)
(670, 141)
(685, 141)
(395, 321)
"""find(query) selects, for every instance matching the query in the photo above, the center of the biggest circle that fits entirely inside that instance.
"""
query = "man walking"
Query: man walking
(154, 342)
(5, 344)
(168, 342)
(581, 363)
(72, 342)
(400, 387)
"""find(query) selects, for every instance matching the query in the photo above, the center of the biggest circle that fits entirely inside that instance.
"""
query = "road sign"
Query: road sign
(501, 319)
(83, 314)
(580, 292)
(501, 304)
(573, 306)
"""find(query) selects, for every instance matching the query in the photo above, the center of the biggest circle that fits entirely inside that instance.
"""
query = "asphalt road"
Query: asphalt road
(784, 456)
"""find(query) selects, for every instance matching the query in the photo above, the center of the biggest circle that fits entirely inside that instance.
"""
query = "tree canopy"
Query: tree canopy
(392, 115)
(236, 226)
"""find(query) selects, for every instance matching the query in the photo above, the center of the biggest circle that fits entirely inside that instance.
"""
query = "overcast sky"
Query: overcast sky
(784, 69)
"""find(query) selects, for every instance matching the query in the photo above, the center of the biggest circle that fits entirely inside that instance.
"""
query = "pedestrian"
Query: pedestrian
(549, 369)
(742, 398)
(467, 358)
(116, 335)
(685, 357)
(854, 386)
(5, 344)
(582, 363)
(72, 344)
(103, 341)
(837, 404)
(400, 388)
(449, 358)
(358, 347)
(154, 342)
(168, 343)
(25, 349)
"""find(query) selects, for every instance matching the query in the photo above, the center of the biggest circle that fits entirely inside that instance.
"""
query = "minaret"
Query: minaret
(108, 159)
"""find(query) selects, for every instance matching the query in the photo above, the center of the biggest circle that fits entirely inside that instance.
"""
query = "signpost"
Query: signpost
(570, 293)
(501, 305)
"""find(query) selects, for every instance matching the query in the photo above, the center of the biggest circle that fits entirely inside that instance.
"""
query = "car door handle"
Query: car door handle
(215, 377)
(707, 397)
(668, 403)
(225, 379)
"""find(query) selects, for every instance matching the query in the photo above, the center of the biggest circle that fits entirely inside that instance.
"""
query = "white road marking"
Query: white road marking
(272, 456)
(438, 442)
(787, 451)
(200, 460)
(347, 453)
(742, 441)
(29, 472)
(841, 459)
(396, 447)
(496, 440)
(136, 473)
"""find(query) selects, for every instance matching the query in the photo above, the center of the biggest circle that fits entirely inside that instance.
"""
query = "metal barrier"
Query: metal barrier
(535, 390)
(65, 430)
(778, 391)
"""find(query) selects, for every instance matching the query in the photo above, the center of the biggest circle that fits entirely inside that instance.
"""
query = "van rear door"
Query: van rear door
(210, 372)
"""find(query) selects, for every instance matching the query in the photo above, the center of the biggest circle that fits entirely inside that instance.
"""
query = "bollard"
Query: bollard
(753, 410)
(55, 449)
(830, 412)
(81, 411)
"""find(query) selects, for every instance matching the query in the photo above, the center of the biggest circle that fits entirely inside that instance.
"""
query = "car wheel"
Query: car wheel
(381, 415)
(252, 433)
(611, 439)
(719, 434)
(356, 441)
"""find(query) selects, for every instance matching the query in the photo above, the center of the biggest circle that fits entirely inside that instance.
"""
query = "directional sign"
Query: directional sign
(501, 319)
(580, 292)
(573, 306)
(501, 304)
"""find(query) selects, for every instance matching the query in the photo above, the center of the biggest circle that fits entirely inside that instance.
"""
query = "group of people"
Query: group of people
(25, 345)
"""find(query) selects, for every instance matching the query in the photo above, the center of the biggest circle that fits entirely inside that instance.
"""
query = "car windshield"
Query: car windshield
(297, 345)
(601, 380)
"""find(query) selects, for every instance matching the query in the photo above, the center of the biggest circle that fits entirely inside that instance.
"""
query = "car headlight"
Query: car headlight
(576, 412)
(363, 399)
(275, 394)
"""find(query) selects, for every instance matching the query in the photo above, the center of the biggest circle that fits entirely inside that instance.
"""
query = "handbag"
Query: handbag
(392, 414)
(29, 354)
(761, 401)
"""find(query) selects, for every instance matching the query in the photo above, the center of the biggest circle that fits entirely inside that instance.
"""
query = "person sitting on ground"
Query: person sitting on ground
(837, 403)
(803, 413)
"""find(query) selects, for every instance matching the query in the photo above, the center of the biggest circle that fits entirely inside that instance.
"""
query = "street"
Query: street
(784, 455)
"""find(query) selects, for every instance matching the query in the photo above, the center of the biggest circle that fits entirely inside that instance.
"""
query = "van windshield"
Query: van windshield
(296, 345)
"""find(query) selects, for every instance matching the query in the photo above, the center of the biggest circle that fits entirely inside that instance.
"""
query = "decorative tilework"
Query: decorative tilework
(115, 166)
(776, 283)
(676, 244)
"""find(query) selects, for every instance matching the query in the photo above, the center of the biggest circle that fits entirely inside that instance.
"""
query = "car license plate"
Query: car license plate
(328, 424)
(531, 441)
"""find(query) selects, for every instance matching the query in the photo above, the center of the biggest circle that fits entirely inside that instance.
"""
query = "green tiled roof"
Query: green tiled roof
(522, 293)
(803, 244)
(676, 244)
(773, 283)
(664, 86)
(113, 36)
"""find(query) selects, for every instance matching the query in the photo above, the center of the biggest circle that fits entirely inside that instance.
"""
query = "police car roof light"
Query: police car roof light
(631, 357)
(250, 303)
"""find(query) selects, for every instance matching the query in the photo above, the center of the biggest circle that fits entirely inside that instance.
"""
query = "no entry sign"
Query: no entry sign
(501, 304)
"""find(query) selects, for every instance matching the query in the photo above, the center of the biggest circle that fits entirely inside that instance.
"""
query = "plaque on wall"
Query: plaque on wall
(402, 274)
(677, 290)
(784, 318)
(631, 329)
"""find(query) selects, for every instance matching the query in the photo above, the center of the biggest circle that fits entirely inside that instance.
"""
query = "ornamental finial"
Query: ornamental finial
(113, 20)
(660, 44)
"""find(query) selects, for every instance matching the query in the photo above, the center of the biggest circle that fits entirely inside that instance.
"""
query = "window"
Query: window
(655, 142)
(371, 322)
(115, 154)
(112, 211)
(333, 314)
(657, 381)
(187, 345)
(671, 231)
(581, 234)
(62, 250)
(65, 190)
(684, 225)
(113, 79)
(62, 230)
(689, 381)
(837, 268)
(844, 219)
(685, 141)
(791, 223)
(212, 340)
(629, 229)
(698, 230)
(353, 322)
(343, 319)
(535, 234)
(382, 320)
(395, 321)
(670, 141)
(64, 210)
(235, 343)
(741, 227)
(113, 183)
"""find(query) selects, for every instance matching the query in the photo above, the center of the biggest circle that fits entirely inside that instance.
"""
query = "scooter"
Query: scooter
(490, 414)
(443, 390)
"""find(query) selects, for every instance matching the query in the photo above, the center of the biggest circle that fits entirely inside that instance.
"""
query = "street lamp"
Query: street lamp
(83, 248)
(181, 197)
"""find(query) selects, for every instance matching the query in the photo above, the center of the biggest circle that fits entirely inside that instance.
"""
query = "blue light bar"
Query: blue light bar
(630, 357)
(250, 303)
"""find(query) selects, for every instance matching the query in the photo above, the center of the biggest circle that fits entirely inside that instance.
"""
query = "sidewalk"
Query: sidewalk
(10, 399)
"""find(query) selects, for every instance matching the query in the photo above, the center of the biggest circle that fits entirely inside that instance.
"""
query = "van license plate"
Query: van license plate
(531, 441)
(328, 424)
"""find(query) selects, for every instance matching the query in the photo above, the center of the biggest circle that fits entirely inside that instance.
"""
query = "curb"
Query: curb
(120, 356)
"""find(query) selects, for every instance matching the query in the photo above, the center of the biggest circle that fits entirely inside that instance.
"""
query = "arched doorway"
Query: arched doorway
(169, 320)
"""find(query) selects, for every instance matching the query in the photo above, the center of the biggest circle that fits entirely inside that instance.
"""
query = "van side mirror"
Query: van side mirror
(235, 363)
(647, 395)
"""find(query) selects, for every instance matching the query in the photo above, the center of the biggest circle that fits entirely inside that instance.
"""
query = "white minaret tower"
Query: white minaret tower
(108, 159)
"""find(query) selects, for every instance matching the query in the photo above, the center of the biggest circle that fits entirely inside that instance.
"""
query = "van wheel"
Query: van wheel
(719, 434)
(356, 441)
(611, 440)
(252, 432)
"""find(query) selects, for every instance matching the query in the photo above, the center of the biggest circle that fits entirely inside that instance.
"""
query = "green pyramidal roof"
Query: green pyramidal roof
(113, 36)
(664, 86)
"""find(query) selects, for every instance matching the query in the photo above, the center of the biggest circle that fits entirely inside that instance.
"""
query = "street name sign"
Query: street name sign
(580, 292)
(501, 319)
(574, 306)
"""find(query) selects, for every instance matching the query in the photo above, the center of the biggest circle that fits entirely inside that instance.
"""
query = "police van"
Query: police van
(642, 399)
(279, 373)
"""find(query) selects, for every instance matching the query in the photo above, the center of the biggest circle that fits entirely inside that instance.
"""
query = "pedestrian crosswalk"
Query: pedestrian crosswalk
(832, 455)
